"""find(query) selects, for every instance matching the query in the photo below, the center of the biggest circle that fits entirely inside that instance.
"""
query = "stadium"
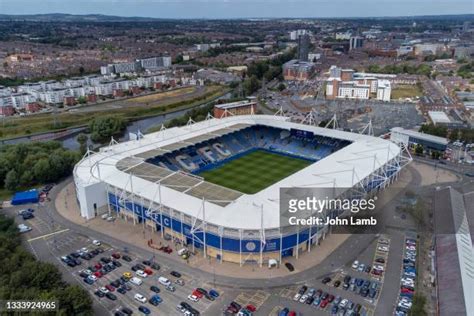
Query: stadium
(214, 185)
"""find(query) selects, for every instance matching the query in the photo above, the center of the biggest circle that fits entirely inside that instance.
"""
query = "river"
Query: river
(142, 125)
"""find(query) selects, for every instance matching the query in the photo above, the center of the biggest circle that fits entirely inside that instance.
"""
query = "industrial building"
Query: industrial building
(412, 138)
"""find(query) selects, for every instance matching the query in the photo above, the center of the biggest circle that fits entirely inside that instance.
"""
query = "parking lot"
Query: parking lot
(49, 241)
(170, 298)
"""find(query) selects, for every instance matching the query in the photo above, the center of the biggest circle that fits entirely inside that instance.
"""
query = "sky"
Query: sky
(240, 8)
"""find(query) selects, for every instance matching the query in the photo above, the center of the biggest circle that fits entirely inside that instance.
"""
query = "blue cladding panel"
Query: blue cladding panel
(213, 240)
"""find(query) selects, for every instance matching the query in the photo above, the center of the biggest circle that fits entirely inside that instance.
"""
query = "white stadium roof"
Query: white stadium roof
(357, 160)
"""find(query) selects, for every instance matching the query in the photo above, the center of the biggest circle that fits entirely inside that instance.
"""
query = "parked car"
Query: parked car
(289, 266)
(175, 274)
(140, 298)
(126, 258)
(214, 293)
(144, 310)
(111, 296)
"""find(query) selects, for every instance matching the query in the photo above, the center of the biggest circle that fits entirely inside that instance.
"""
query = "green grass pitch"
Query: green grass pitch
(255, 171)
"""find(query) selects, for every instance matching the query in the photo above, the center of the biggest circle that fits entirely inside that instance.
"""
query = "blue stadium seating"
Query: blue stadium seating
(196, 157)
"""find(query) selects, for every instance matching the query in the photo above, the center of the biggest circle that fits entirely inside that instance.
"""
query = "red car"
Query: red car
(166, 249)
(330, 298)
(98, 266)
(292, 313)
(197, 293)
(323, 304)
(98, 274)
(377, 272)
(110, 287)
(405, 290)
(148, 271)
(116, 255)
(251, 308)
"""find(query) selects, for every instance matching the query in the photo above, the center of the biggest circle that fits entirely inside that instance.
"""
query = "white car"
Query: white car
(87, 271)
(92, 277)
(141, 273)
(303, 298)
(96, 242)
(104, 290)
(296, 297)
(355, 265)
(136, 281)
(343, 303)
(140, 298)
(379, 267)
(382, 248)
(193, 298)
(83, 250)
(405, 304)
(181, 308)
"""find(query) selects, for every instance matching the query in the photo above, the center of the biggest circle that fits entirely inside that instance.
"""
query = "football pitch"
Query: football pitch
(255, 171)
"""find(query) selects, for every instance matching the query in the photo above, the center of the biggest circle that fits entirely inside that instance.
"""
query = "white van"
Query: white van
(136, 281)
(164, 281)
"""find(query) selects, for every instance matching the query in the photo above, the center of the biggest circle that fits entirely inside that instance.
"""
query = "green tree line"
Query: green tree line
(462, 134)
(24, 165)
(422, 69)
(23, 277)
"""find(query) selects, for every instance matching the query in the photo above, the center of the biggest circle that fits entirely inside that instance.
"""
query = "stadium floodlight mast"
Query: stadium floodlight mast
(280, 112)
(368, 129)
(334, 123)
(310, 118)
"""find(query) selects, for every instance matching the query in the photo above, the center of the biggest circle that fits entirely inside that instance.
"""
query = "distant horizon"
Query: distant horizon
(241, 9)
(238, 18)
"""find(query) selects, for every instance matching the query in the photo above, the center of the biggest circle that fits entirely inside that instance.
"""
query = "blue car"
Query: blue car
(156, 298)
(334, 310)
(359, 282)
(214, 293)
(284, 312)
(317, 300)
(144, 310)
(89, 281)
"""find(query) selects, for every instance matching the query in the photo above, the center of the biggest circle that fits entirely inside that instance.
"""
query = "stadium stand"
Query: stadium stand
(212, 152)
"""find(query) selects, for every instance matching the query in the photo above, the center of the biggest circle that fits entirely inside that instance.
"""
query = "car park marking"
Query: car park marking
(48, 235)
(256, 298)
(275, 310)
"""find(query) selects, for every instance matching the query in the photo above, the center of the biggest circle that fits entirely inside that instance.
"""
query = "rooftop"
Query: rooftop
(415, 134)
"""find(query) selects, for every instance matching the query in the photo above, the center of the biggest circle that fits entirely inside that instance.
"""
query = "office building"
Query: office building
(355, 42)
(303, 47)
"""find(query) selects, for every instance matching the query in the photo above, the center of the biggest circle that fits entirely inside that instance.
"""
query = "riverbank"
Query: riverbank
(47, 123)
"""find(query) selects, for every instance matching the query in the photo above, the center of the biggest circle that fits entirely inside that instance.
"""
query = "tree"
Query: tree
(41, 170)
(81, 70)
(281, 87)
(418, 307)
(419, 149)
(11, 180)
(251, 85)
(102, 128)
(82, 100)
(82, 140)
